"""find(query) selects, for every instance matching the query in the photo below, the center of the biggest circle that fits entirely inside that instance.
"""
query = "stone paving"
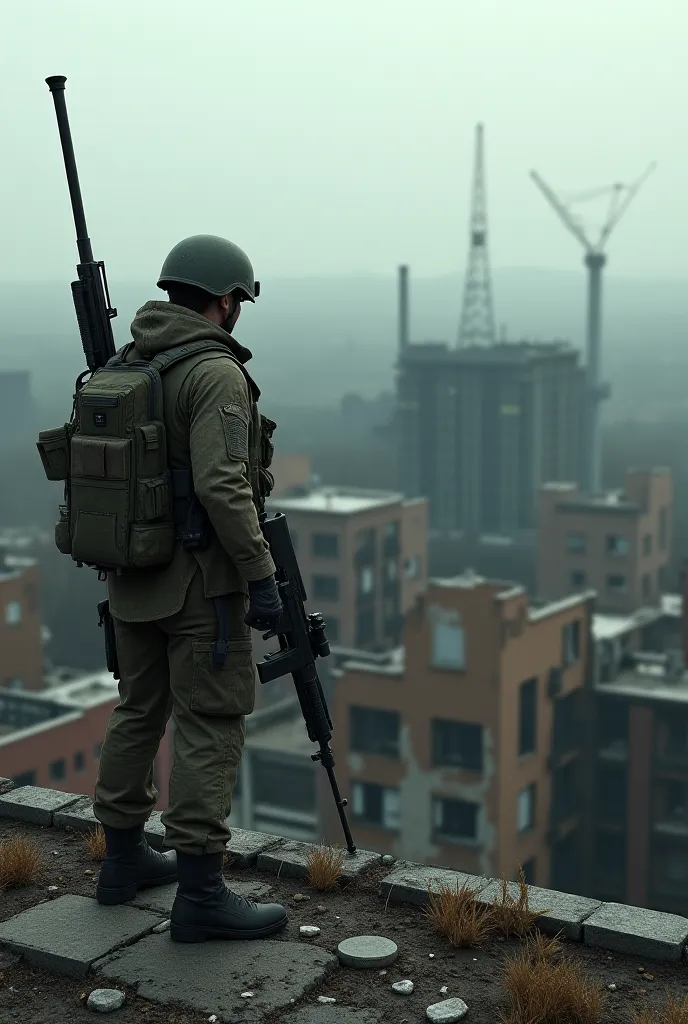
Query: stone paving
(130, 944)
(69, 934)
(205, 978)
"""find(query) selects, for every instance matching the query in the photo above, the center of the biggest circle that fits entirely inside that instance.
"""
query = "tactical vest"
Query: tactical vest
(124, 509)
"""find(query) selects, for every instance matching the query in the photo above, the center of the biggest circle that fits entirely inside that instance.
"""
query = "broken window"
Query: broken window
(457, 745)
(575, 543)
(570, 635)
(376, 805)
(455, 819)
(374, 731)
(527, 717)
(616, 545)
(525, 808)
(448, 645)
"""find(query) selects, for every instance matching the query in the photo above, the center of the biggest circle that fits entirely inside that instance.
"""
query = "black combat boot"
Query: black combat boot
(130, 864)
(204, 908)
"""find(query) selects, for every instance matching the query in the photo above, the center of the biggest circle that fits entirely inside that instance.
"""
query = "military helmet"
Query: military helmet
(212, 263)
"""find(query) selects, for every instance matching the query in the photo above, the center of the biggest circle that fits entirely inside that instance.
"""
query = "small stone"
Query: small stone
(641, 970)
(105, 1000)
(431, 956)
(300, 897)
(367, 951)
(383, 973)
(53, 888)
(388, 858)
(444, 990)
(309, 931)
(247, 995)
(89, 871)
(320, 909)
(164, 926)
(212, 1018)
(55, 853)
(612, 987)
(446, 1012)
(326, 999)
(649, 977)
(403, 988)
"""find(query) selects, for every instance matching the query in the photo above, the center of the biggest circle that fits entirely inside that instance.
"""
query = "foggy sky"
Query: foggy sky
(331, 138)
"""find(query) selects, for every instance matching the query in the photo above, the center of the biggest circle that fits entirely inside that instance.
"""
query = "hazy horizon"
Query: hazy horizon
(339, 140)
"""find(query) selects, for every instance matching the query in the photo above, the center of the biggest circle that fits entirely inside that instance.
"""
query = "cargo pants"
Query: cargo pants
(166, 668)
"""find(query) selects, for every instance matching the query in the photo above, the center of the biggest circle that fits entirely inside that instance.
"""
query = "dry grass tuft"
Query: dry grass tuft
(544, 987)
(512, 914)
(94, 842)
(674, 1011)
(324, 865)
(457, 915)
(20, 862)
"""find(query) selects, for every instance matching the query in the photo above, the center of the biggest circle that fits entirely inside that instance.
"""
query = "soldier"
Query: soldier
(183, 631)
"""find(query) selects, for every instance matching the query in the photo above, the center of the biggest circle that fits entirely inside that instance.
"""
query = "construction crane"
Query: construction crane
(594, 259)
(477, 324)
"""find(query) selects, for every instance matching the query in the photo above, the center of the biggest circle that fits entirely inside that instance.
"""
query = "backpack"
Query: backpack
(120, 511)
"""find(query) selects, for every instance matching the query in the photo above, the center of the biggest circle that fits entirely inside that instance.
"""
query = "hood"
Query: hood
(158, 326)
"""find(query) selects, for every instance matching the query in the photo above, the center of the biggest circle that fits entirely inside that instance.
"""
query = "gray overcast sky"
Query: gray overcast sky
(332, 137)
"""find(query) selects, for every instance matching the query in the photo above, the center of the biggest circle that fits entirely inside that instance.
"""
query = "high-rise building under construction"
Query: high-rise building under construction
(481, 428)
(482, 425)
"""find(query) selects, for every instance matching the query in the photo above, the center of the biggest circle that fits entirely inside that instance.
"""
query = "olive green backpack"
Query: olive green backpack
(119, 510)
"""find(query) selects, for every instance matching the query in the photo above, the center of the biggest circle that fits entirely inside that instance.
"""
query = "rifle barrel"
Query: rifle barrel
(56, 84)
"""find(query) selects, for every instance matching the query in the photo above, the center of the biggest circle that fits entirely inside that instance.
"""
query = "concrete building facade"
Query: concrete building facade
(54, 738)
(640, 730)
(465, 747)
(21, 638)
(363, 559)
(617, 544)
(481, 428)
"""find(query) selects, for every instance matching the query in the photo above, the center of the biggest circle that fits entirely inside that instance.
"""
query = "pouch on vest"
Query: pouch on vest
(119, 511)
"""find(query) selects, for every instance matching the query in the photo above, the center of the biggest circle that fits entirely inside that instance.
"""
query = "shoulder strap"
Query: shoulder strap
(164, 360)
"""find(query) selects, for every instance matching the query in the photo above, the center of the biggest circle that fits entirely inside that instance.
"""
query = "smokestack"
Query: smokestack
(403, 308)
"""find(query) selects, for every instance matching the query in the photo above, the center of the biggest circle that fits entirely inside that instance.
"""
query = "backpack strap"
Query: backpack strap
(164, 360)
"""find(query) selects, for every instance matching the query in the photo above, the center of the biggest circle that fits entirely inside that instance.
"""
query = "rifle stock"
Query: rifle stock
(302, 639)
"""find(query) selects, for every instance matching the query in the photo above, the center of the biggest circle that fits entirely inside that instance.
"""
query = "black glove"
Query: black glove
(265, 607)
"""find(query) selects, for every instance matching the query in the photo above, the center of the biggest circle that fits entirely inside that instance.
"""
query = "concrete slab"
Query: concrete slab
(332, 1015)
(245, 846)
(160, 899)
(409, 883)
(562, 912)
(68, 934)
(79, 817)
(633, 930)
(209, 977)
(34, 804)
(291, 861)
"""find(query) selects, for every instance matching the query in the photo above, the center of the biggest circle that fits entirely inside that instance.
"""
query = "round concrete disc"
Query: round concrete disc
(367, 951)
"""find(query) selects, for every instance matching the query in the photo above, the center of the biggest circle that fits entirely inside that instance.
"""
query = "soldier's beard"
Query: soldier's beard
(231, 318)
